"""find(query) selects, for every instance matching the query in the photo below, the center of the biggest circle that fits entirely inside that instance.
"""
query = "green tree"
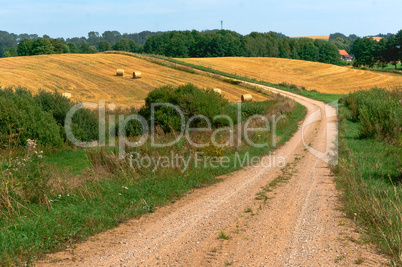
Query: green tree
(66, 49)
(176, 47)
(7, 54)
(42, 47)
(364, 51)
(73, 48)
(92, 49)
(13, 51)
(341, 43)
(122, 45)
(25, 47)
(111, 36)
(391, 51)
(104, 46)
(328, 52)
(398, 38)
(309, 52)
(7, 40)
(93, 38)
(77, 41)
(381, 53)
(294, 46)
(58, 46)
(134, 48)
(84, 48)
(200, 46)
(283, 48)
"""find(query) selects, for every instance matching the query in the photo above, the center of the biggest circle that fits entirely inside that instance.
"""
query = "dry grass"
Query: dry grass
(326, 37)
(93, 77)
(324, 78)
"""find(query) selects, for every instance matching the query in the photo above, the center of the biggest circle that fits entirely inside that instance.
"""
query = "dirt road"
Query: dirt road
(298, 224)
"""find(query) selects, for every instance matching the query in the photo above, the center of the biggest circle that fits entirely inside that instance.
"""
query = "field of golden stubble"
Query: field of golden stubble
(324, 78)
(92, 77)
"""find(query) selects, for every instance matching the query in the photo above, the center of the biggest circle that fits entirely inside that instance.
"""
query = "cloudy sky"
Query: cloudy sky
(291, 17)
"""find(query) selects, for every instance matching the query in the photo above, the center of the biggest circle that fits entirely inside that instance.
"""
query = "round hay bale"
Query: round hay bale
(246, 98)
(119, 72)
(217, 90)
(67, 95)
(136, 75)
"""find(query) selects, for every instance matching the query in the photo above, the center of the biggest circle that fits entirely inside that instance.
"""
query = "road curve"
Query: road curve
(300, 224)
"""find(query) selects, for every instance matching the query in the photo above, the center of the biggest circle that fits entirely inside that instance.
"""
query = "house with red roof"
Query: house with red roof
(345, 55)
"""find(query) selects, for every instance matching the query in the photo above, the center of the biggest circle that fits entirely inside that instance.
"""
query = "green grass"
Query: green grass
(389, 66)
(374, 157)
(369, 176)
(224, 236)
(73, 160)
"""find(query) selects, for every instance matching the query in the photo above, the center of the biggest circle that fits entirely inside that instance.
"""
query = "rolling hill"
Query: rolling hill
(91, 77)
(324, 78)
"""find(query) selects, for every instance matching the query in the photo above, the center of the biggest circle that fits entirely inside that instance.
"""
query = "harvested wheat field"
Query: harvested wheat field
(91, 78)
(320, 37)
(325, 78)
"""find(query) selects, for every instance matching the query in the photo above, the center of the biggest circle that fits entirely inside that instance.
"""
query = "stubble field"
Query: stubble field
(324, 78)
(91, 78)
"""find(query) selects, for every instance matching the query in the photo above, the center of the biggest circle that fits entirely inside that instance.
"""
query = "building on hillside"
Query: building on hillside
(345, 55)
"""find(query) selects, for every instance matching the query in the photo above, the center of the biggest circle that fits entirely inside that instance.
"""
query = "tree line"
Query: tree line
(213, 43)
(369, 52)
(42, 46)
(224, 43)
(95, 42)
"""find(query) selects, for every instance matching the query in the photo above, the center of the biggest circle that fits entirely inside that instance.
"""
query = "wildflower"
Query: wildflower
(31, 144)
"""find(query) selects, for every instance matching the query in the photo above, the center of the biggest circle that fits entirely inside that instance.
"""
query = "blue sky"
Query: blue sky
(291, 17)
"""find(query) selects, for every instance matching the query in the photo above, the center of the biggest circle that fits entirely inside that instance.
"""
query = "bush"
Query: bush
(191, 101)
(293, 86)
(85, 123)
(249, 109)
(42, 117)
(379, 113)
(20, 114)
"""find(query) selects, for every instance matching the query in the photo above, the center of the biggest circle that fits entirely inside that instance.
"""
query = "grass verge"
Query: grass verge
(368, 175)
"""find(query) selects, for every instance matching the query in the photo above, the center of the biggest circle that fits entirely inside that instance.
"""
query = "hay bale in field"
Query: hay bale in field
(67, 95)
(136, 75)
(119, 72)
(217, 90)
(246, 98)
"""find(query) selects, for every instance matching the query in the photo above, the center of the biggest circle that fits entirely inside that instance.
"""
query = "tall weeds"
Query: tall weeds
(369, 170)
(379, 112)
